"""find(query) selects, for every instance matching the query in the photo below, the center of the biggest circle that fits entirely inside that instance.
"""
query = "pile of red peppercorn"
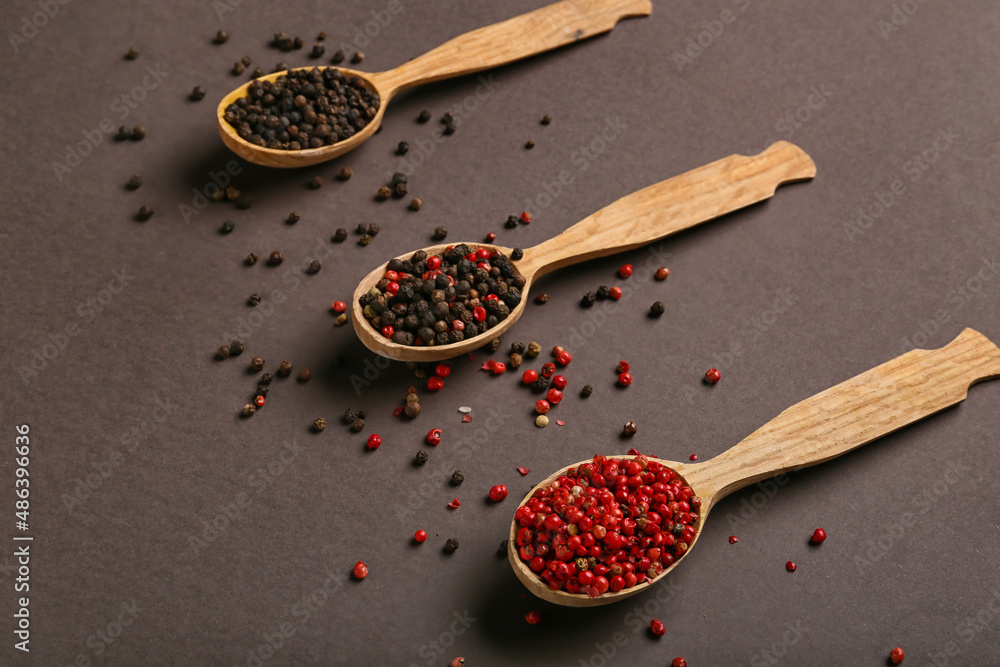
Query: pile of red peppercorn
(607, 525)
(443, 299)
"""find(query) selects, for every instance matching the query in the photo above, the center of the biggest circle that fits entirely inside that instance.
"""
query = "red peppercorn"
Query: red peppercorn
(713, 376)
(896, 655)
(458, 325)
(420, 536)
(615, 293)
(791, 567)
(454, 504)
(563, 358)
(559, 381)
(529, 376)
(434, 437)
(387, 331)
(733, 539)
(694, 457)
(360, 570)
(498, 493)
(678, 662)
(548, 369)
(339, 306)
(491, 237)
(435, 383)
(479, 313)
(482, 253)
(624, 367)
(442, 370)
(554, 396)
(392, 287)
(625, 379)
(818, 536)
(542, 406)
(259, 401)
(499, 367)
(533, 617)
(657, 628)
(525, 217)
(374, 441)
(433, 263)
(625, 271)
(662, 273)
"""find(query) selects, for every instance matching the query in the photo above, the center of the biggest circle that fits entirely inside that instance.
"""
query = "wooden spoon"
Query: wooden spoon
(642, 217)
(520, 37)
(853, 413)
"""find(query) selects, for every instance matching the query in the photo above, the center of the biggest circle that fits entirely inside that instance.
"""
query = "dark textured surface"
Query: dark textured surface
(136, 392)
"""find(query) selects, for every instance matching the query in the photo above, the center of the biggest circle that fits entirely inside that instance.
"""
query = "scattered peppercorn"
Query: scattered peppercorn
(131, 54)
(542, 298)
(402, 148)
(275, 258)
(357, 57)
(358, 425)
(374, 441)
(586, 391)
(383, 193)
(662, 273)
(416, 203)
(530, 144)
(657, 627)
(896, 655)
(303, 109)
(221, 37)
(533, 349)
(338, 57)
(314, 267)
(318, 50)
(421, 458)
(546, 119)
(227, 227)
(533, 617)
(138, 133)
(319, 424)
(257, 73)
(304, 375)
(457, 478)
(360, 570)
(197, 94)
(293, 217)
(236, 348)
(625, 379)
(630, 429)
(424, 116)
(124, 133)
(818, 536)
(541, 421)
(256, 364)
(251, 259)
(238, 68)
(134, 182)
(440, 233)
(253, 300)
(339, 236)
(144, 213)
(249, 410)
(625, 271)
(515, 360)
(678, 662)
(365, 239)
(341, 320)
(315, 183)
(285, 369)
(516, 254)
(502, 549)
(451, 545)
(222, 352)
(345, 174)
(511, 222)
(588, 299)
(791, 567)
(713, 376)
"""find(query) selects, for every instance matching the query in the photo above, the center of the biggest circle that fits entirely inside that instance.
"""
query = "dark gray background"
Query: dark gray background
(137, 394)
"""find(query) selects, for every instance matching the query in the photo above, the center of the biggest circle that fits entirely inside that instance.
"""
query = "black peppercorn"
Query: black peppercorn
(317, 51)
(360, 229)
(657, 309)
(586, 391)
(502, 549)
(402, 148)
(134, 182)
(421, 458)
(357, 57)
(138, 133)
(197, 94)
(314, 267)
(451, 545)
(630, 429)
(530, 144)
(254, 299)
(251, 259)
(424, 116)
(284, 369)
(517, 347)
(315, 183)
(266, 378)
(449, 128)
(511, 222)
(238, 68)
(227, 227)
(546, 119)
(144, 213)
(365, 239)
(447, 118)
(373, 229)
(222, 352)
(457, 477)
(588, 300)
(440, 233)
(257, 73)
(383, 193)
(275, 258)
(345, 174)
(319, 424)
(516, 254)
(293, 217)
(350, 415)
(540, 385)
(236, 348)
(339, 236)
(358, 425)
(603, 292)
(256, 364)
(131, 54)
(124, 133)
(221, 37)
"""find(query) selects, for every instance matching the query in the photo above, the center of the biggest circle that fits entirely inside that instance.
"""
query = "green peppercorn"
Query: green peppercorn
(533, 350)
(341, 320)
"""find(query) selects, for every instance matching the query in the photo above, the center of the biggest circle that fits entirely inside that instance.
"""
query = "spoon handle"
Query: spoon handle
(671, 206)
(522, 36)
(853, 413)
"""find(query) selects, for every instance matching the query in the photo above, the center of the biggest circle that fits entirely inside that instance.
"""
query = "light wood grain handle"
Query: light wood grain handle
(522, 36)
(886, 398)
(671, 206)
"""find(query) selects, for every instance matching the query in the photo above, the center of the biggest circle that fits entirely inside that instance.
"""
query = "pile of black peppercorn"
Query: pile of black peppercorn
(303, 109)
(456, 299)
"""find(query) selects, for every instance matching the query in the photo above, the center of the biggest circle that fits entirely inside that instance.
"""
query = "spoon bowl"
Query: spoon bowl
(640, 218)
(550, 27)
(880, 401)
